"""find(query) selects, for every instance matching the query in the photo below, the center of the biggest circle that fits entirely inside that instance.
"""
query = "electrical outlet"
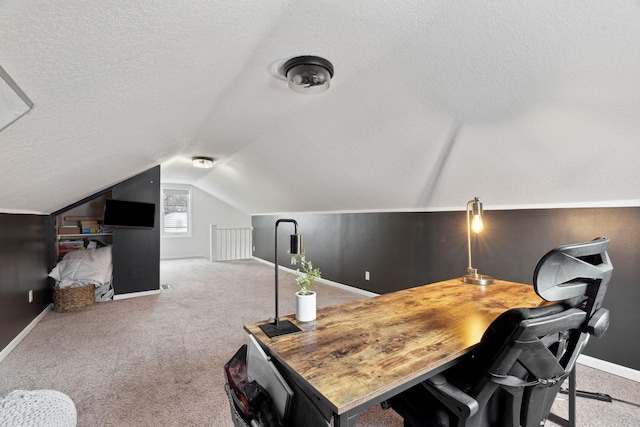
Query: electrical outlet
(366, 275)
(31, 295)
(254, 249)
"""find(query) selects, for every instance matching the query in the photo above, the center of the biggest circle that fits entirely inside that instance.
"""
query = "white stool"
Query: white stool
(38, 408)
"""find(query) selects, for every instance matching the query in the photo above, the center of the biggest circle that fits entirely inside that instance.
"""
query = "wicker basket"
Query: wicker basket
(73, 299)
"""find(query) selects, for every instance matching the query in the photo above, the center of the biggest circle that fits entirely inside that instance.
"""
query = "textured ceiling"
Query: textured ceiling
(432, 103)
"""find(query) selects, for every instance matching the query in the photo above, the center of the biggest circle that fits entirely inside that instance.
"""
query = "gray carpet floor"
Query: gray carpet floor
(158, 360)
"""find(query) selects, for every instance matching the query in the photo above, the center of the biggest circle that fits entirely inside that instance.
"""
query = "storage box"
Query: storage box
(88, 227)
(68, 229)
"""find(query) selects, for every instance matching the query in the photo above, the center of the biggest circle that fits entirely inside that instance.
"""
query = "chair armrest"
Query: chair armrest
(456, 400)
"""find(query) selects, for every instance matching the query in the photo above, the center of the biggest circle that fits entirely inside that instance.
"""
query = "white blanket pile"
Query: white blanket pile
(87, 267)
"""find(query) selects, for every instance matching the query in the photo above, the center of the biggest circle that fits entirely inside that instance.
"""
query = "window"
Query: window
(176, 211)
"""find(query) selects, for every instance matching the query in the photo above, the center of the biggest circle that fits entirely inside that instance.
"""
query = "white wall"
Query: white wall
(206, 210)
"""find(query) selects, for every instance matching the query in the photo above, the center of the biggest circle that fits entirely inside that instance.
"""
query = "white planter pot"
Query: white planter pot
(305, 307)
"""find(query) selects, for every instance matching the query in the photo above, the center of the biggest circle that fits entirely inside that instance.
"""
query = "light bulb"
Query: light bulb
(476, 224)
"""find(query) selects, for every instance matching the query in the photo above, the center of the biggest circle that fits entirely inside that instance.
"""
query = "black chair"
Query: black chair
(513, 376)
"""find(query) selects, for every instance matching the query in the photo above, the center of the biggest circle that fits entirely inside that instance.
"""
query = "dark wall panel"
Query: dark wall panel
(406, 249)
(136, 254)
(24, 266)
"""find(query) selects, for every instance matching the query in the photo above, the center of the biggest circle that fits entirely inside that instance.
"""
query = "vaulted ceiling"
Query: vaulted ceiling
(432, 102)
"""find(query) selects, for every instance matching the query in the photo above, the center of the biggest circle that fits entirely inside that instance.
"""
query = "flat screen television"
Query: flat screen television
(123, 213)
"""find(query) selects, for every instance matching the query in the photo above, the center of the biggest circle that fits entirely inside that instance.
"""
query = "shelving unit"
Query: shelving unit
(92, 211)
(80, 235)
(136, 251)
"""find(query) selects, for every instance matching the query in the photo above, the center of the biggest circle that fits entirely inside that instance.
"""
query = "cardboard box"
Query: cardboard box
(68, 229)
(89, 227)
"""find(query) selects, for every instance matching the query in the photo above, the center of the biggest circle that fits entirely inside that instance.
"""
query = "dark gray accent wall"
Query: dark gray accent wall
(136, 251)
(27, 254)
(406, 249)
(24, 262)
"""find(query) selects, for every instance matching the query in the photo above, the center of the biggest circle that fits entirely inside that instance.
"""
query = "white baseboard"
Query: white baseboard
(325, 281)
(171, 257)
(136, 294)
(262, 260)
(592, 362)
(611, 368)
(14, 343)
(348, 288)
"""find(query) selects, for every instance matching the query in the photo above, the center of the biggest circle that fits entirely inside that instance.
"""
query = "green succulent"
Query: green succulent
(308, 274)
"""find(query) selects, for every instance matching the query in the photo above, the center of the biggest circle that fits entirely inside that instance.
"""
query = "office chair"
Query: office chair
(513, 376)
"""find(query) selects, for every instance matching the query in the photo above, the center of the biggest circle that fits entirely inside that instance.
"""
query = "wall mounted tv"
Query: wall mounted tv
(122, 213)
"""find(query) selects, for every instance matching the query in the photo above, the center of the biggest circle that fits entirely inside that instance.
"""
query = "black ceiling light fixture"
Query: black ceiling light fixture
(308, 74)
(202, 162)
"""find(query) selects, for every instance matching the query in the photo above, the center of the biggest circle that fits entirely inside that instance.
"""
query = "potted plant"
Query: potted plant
(305, 297)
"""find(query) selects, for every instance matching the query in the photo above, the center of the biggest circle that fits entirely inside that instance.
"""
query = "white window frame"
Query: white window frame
(181, 188)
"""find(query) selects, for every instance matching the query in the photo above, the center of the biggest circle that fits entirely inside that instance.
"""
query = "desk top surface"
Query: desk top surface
(356, 351)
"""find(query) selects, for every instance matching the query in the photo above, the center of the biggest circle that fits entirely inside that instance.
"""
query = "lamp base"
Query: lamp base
(283, 328)
(477, 279)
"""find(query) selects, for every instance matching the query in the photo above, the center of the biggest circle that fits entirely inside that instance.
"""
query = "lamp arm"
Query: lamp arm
(469, 268)
(295, 224)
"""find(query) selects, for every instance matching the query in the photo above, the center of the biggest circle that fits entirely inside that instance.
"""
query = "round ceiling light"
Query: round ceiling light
(202, 162)
(308, 74)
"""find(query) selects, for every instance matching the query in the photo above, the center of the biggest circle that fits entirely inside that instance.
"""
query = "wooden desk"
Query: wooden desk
(356, 355)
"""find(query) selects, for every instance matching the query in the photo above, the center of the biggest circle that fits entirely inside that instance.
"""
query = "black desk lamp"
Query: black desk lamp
(278, 328)
(474, 222)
